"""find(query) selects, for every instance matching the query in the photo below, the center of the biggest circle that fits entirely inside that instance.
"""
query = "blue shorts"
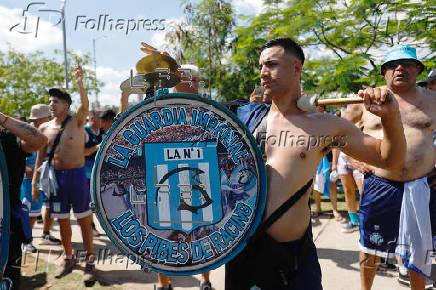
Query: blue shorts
(73, 193)
(379, 215)
(433, 211)
(26, 198)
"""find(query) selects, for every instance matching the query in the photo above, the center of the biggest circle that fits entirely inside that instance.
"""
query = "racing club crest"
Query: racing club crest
(193, 171)
(179, 184)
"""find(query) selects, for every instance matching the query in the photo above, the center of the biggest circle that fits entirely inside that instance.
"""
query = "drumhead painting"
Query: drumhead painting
(4, 212)
(179, 184)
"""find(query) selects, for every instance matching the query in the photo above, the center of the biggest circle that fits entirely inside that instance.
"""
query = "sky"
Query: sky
(117, 47)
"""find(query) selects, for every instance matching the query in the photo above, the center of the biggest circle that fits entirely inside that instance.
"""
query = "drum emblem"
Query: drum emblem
(183, 185)
(179, 185)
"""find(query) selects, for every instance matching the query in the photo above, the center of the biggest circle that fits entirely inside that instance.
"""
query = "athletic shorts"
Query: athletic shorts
(73, 193)
(433, 214)
(26, 198)
(344, 167)
(379, 215)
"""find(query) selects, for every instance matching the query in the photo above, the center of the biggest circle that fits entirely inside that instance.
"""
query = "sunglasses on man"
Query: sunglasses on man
(403, 62)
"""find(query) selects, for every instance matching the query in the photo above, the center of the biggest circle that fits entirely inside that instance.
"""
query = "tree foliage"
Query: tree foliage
(204, 41)
(353, 31)
(26, 78)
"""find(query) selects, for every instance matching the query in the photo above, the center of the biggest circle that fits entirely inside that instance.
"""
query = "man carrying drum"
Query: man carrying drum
(292, 262)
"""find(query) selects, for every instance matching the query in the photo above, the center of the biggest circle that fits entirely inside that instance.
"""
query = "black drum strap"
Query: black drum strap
(58, 139)
(281, 210)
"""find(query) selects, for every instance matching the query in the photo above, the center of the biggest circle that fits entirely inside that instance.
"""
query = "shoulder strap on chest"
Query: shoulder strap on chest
(282, 209)
(57, 139)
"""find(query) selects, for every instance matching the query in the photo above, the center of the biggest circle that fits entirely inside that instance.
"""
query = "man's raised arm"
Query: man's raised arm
(82, 111)
(389, 152)
(124, 102)
(31, 138)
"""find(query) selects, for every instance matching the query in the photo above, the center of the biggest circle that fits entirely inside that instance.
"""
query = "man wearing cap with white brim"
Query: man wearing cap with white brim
(430, 82)
(394, 208)
(39, 114)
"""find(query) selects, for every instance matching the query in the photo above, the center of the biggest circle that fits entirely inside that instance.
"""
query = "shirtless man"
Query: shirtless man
(68, 162)
(381, 204)
(290, 167)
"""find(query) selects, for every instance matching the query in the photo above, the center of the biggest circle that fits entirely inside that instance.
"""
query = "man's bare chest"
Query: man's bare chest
(416, 117)
(69, 137)
(51, 133)
(286, 141)
(412, 117)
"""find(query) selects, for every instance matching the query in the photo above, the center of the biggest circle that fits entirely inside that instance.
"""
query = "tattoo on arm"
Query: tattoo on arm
(29, 130)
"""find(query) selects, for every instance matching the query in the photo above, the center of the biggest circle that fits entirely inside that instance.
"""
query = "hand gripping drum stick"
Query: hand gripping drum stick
(310, 103)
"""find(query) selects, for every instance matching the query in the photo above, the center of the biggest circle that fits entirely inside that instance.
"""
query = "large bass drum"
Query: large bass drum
(179, 184)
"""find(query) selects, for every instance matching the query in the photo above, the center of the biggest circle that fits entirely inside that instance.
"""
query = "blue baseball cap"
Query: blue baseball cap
(401, 51)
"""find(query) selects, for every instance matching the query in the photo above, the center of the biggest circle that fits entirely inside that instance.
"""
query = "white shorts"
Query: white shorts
(344, 167)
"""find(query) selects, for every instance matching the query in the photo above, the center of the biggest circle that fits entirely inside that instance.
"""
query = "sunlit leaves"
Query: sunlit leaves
(26, 78)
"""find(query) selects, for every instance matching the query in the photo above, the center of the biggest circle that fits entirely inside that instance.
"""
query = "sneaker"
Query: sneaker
(386, 265)
(95, 233)
(48, 239)
(65, 268)
(165, 288)
(39, 219)
(403, 276)
(29, 248)
(349, 228)
(344, 221)
(206, 285)
(89, 274)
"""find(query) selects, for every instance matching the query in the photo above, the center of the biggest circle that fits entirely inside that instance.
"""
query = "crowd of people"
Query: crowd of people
(63, 143)
(390, 151)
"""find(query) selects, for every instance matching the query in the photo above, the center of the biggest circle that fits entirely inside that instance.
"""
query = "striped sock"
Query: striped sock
(353, 218)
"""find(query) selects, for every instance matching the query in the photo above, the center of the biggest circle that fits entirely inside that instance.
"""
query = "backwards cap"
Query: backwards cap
(61, 94)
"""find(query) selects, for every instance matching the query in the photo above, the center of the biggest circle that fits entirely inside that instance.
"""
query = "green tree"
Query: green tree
(352, 31)
(204, 41)
(26, 78)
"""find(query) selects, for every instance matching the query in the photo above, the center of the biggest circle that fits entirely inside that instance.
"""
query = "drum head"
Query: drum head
(4, 212)
(179, 184)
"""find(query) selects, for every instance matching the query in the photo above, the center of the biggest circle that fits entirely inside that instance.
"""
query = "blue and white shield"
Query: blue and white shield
(183, 185)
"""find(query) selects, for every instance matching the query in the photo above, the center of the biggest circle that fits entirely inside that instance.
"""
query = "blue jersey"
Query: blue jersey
(31, 160)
